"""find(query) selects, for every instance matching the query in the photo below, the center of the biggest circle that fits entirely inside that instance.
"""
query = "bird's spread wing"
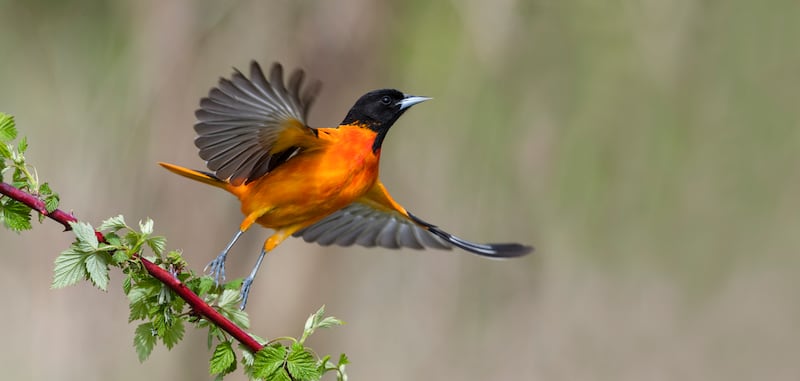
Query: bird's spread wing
(377, 220)
(248, 126)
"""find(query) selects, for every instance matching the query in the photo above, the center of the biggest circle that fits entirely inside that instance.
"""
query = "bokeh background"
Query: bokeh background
(649, 149)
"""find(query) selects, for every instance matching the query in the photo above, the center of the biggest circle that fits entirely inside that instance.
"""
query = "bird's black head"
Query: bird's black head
(379, 109)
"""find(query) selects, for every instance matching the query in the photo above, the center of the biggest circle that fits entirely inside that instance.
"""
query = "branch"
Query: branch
(198, 305)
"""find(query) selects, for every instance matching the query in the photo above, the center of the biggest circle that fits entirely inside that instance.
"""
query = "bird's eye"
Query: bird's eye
(386, 100)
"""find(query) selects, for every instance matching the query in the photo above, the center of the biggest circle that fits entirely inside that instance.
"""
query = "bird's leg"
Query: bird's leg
(249, 280)
(217, 266)
(269, 244)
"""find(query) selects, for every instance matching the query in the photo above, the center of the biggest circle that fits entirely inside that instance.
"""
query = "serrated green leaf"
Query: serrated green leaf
(8, 130)
(301, 364)
(85, 234)
(268, 361)
(113, 239)
(144, 339)
(138, 297)
(223, 361)
(329, 321)
(5, 150)
(146, 227)
(44, 189)
(15, 215)
(235, 284)
(19, 179)
(343, 360)
(126, 285)
(131, 239)
(157, 244)
(119, 256)
(51, 202)
(228, 298)
(173, 333)
(175, 257)
(247, 357)
(22, 145)
(113, 224)
(97, 267)
(280, 375)
(314, 318)
(69, 268)
(204, 285)
(228, 304)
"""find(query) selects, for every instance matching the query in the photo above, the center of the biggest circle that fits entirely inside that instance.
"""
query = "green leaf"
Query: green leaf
(113, 224)
(22, 145)
(146, 227)
(229, 298)
(328, 322)
(15, 215)
(280, 375)
(343, 360)
(314, 319)
(119, 256)
(237, 316)
(19, 179)
(126, 285)
(8, 130)
(97, 267)
(248, 358)
(5, 151)
(228, 304)
(85, 234)
(269, 360)
(157, 244)
(223, 361)
(143, 340)
(69, 268)
(173, 333)
(131, 239)
(204, 285)
(301, 364)
(139, 296)
(49, 197)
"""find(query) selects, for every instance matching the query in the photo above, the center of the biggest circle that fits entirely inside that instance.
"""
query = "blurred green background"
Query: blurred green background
(649, 149)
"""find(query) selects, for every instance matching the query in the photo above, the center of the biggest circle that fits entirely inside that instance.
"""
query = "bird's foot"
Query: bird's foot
(245, 291)
(217, 268)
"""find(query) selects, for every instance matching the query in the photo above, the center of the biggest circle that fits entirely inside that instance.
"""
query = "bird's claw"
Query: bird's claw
(245, 291)
(217, 268)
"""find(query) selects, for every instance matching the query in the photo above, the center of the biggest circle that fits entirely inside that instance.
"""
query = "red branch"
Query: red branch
(197, 304)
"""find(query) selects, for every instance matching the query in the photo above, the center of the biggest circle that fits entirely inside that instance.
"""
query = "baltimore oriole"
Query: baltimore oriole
(320, 184)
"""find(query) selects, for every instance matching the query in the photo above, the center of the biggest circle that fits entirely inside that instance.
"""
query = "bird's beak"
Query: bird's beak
(411, 100)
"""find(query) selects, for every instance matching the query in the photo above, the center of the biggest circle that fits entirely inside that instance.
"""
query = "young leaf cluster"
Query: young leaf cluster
(15, 215)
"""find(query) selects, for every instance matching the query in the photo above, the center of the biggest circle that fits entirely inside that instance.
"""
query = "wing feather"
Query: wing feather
(242, 119)
(376, 219)
(361, 224)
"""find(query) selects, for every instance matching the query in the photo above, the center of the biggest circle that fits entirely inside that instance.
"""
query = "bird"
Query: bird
(318, 184)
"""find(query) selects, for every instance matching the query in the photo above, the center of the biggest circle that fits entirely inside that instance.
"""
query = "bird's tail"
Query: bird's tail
(203, 177)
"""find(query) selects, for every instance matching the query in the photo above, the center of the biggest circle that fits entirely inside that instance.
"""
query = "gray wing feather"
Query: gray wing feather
(360, 224)
(242, 118)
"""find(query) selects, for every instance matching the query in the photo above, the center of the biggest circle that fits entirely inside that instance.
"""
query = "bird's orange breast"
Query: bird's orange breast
(316, 182)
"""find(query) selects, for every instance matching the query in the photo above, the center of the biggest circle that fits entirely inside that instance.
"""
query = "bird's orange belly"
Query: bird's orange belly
(306, 189)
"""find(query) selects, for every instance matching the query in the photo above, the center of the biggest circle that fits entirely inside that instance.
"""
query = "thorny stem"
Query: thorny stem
(197, 304)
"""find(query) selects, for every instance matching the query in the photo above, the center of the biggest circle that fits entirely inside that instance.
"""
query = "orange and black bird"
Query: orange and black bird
(320, 184)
